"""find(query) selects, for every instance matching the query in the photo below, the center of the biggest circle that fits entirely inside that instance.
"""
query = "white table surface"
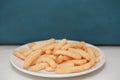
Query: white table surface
(110, 71)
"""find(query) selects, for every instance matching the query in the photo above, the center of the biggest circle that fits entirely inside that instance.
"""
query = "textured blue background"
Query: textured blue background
(94, 21)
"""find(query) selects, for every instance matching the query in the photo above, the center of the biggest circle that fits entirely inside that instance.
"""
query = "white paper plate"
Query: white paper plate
(17, 63)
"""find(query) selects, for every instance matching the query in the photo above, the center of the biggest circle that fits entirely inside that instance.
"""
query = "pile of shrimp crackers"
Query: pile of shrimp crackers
(59, 56)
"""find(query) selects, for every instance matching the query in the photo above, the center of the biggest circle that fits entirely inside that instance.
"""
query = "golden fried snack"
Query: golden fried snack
(95, 51)
(48, 52)
(92, 56)
(60, 59)
(43, 44)
(72, 69)
(39, 67)
(49, 69)
(31, 58)
(59, 56)
(48, 60)
(80, 52)
(66, 58)
(80, 45)
(23, 50)
(97, 59)
(66, 64)
(49, 47)
(60, 44)
(66, 70)
(27, 53)
(68, 53)
(30, 45)
(50, 56)
(19, 55)
(78, 62)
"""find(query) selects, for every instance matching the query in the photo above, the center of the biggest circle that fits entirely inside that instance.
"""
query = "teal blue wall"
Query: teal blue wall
(94, 21)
